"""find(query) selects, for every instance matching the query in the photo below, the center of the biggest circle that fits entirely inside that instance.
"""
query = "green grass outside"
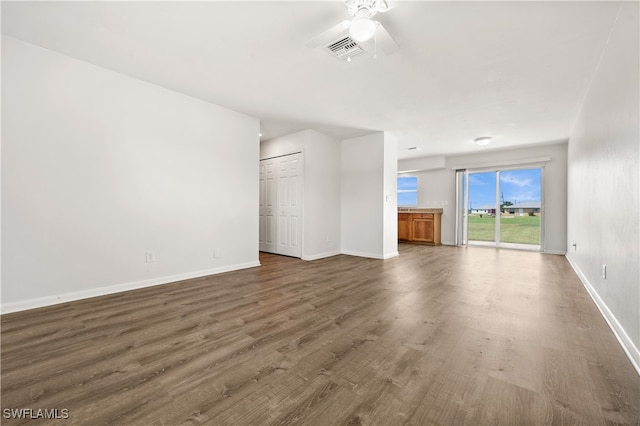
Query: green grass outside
(513, 229)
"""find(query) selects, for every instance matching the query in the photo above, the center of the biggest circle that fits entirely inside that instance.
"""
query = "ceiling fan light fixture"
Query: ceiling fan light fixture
(362, 29)
(483, 141)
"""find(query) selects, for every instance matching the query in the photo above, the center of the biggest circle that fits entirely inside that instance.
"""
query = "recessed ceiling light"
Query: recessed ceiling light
(412, 148)
(260, 134)
(483, 141)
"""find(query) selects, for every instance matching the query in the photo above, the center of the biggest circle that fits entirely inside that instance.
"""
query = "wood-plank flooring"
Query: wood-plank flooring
(438, 336)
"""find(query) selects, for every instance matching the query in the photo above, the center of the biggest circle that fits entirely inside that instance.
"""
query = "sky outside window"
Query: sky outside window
(408, 191)
(516, 186)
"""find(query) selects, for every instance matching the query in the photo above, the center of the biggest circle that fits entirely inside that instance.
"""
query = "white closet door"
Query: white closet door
(281, 205)
(289, 228)
(267, 206)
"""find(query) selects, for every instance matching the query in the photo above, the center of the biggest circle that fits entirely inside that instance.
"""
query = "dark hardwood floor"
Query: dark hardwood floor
(438, 336)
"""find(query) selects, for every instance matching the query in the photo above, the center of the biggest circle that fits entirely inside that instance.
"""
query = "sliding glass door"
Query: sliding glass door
(482, 208)
(521, 206)
(500, 208)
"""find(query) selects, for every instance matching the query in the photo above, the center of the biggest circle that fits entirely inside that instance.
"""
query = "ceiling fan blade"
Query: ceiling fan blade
(384, 6)
(329, 35)
(385, 42)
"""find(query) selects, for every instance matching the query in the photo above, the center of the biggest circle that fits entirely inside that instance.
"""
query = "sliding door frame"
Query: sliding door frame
(462, 207)
(462, 201)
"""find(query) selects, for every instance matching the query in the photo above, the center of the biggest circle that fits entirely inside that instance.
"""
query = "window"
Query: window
(408, 191)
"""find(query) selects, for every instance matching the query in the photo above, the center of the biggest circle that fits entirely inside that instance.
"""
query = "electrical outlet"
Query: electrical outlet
(150, 256)
(604, 271)
(216, 253)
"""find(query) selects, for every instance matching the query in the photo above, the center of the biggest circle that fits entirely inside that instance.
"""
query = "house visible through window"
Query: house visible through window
(407, 191)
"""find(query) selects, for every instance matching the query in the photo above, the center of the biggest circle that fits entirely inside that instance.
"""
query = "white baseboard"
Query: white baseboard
(321, 255)
(40, 302)
(371, 255)
(362, 254)
(623, 338)
(390, 255)
(559, 252)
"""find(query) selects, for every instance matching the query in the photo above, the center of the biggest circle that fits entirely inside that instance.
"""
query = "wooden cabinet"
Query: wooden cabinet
(419, 227)
(422, 227)
(404, 226)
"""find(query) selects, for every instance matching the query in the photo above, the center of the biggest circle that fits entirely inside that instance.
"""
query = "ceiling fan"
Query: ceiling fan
(346, 38)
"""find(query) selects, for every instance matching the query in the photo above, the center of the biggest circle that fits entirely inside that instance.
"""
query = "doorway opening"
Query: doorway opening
(500, 208)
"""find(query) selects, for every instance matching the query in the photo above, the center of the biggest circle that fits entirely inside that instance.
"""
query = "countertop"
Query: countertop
(419, 210)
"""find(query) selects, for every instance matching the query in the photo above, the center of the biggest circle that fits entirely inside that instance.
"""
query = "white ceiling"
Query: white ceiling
(517, 71)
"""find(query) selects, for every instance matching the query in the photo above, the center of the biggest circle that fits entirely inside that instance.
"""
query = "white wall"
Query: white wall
(289, 144)
(346, 184)
(390, 193)
(365, 218)
(603, 188)
(321, 203)
(436, 187)
(409, 165)
(99, 168)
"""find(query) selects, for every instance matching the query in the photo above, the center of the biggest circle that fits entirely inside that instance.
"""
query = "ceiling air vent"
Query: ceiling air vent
(344, 48)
